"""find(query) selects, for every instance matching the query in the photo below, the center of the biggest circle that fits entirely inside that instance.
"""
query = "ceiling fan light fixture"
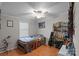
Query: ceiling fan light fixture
(39, 13)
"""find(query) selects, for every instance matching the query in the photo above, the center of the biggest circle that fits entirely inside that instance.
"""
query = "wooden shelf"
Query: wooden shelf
(60, 27)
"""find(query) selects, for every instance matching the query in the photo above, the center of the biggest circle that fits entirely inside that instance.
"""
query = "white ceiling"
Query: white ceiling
(24, 9)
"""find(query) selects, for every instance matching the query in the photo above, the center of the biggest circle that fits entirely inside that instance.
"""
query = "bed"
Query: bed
(29, 43)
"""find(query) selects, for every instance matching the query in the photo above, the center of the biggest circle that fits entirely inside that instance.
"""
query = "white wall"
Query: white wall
(0, 4)
(32, 27)
(9, 31)
(49, 24)
(76, 36)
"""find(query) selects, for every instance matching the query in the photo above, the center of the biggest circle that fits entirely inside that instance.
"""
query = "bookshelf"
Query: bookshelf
(60, 30)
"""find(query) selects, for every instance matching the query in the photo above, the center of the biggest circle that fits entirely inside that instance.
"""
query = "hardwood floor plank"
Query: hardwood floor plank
(40, 51)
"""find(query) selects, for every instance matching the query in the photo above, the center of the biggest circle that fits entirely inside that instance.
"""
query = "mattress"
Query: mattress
(25, 39)
(30, 38)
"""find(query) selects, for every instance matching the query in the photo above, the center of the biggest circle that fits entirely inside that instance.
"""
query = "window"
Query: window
(24, 27)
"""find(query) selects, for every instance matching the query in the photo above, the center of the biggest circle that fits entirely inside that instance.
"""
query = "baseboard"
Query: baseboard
(12, 48)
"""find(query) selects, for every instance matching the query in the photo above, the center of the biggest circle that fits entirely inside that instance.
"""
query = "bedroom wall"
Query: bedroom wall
(9, 31)
(32, 27)
(49, 24)
(76, 21)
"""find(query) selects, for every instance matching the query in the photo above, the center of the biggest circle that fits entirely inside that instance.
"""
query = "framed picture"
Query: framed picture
(9, 23)
(41, 25)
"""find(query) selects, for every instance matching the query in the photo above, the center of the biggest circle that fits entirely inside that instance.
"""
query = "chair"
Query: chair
(4, 46)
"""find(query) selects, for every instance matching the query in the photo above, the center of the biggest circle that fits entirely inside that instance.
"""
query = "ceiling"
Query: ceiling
(24, 9)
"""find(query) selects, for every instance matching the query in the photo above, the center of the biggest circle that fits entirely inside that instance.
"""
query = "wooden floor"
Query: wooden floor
(40, 51)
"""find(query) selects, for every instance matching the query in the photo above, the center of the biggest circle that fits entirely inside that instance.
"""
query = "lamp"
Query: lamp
(39, 13)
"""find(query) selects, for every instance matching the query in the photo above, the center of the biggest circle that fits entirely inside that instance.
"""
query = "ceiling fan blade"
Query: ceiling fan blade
(24, 14)
(54, 15)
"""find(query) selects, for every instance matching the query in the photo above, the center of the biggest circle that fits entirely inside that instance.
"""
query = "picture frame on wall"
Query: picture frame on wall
(41, 25)
(9, 23)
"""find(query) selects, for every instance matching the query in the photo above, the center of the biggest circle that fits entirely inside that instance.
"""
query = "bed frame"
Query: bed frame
(29, 46)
